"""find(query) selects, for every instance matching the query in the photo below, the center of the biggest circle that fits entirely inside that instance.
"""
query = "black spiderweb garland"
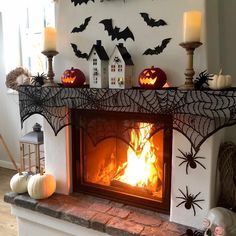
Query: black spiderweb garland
(196, 114)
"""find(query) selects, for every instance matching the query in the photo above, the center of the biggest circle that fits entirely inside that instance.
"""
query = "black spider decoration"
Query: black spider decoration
(190, 232)
(117, 60)
(202, 80)
(190, 200)
(39, 79)
(190, 159)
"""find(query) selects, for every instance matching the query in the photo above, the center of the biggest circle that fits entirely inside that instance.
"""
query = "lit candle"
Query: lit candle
(50, 39)
(192, 26)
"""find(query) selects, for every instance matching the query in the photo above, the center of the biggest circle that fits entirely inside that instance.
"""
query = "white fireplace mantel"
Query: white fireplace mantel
(198, 180)
(31, 221)
(196, 117)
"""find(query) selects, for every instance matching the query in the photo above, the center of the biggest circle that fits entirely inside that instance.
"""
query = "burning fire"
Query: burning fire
(140, 170)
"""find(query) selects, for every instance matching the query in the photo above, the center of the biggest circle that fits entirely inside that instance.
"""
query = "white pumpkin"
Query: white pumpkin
(19, 182)
(41, 186)
(220, 81)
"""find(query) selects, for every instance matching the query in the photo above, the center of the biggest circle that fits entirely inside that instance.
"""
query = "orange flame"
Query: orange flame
(140, 168)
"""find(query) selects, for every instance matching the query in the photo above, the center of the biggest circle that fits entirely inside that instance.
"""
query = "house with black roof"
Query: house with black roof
(98, 66)
(120, 68)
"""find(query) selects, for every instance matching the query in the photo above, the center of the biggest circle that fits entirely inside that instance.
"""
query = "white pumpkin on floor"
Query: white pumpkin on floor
(41, 186)
(19, 182)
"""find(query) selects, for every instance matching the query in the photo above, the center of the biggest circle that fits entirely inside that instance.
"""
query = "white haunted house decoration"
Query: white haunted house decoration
(120, 68)
(98, 66)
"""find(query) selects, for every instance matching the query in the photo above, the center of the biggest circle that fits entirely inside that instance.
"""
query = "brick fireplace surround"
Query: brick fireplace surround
(80, 214)
(54, 216)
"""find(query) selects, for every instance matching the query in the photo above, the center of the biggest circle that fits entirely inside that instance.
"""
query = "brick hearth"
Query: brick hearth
(100, 214)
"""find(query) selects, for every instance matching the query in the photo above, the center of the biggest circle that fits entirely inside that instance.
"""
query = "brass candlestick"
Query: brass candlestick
(189, 71)
(50, 75)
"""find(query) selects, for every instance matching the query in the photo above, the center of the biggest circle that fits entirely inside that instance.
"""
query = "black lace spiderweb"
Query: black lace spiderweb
(197, 114)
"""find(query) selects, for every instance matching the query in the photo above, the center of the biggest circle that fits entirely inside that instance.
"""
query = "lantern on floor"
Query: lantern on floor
(31, 150)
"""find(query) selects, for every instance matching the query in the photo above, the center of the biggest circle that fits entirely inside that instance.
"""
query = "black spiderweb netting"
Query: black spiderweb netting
(197, 114)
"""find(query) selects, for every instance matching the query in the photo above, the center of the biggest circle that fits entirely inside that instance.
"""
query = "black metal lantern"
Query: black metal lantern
(31, 151)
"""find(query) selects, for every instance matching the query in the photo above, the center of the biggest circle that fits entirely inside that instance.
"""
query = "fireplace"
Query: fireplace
(191, 117)
(123, 156)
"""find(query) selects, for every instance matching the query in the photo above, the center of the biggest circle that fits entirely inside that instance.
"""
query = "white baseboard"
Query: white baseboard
(7, 164)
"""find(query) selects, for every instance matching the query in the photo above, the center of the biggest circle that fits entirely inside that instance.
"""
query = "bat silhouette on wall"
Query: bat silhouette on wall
(80, 1)
(159, 49)
(82, 27)
(78, 53)
(115, 32)
(152, 22)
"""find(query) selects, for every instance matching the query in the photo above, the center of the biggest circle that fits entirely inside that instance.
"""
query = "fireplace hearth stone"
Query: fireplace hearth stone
(94, 213)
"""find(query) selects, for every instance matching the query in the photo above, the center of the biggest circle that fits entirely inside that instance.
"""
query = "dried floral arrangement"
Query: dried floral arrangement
(17, 77)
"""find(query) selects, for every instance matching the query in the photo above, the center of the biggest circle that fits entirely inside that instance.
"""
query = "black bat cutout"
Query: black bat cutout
(80, 1)
(82, 27)
(152, 22)
(159, 49)
(115, 32)
(78, 53)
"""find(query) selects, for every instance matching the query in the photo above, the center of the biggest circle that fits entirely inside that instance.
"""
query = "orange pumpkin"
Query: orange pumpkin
(73, 78)
(152, 78)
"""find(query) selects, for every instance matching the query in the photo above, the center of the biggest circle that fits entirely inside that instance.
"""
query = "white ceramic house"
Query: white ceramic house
(98, 66)
(120, 68)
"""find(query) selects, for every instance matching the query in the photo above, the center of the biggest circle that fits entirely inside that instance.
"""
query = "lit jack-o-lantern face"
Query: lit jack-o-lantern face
(152, 78)
(73, 78)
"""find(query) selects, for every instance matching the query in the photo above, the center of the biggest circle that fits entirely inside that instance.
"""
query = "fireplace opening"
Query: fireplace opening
(123, 156)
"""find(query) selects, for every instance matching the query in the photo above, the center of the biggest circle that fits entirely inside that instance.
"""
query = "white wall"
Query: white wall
(9, 119)
(10, 127)
(126, 13)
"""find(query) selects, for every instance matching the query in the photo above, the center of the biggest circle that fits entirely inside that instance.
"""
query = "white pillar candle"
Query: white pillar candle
(192, 22)
(49, 39)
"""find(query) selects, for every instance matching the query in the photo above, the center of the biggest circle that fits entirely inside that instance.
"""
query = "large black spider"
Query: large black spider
(190, 159)
(189, 232)
(39, 79)
(190, 200)
(202, 80)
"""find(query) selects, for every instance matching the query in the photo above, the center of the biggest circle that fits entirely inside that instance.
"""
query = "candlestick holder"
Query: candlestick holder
(50, 75)
(189, 71)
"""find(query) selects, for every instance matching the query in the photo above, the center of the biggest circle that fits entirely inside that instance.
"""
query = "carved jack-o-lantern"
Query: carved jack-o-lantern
(73, 78)
(152, 78)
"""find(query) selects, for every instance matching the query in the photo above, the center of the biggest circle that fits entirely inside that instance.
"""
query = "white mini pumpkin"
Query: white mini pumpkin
(19, 182)
(41, 186)
(220, 81)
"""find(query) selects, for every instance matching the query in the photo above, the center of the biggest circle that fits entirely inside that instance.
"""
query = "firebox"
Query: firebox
(123, 156)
